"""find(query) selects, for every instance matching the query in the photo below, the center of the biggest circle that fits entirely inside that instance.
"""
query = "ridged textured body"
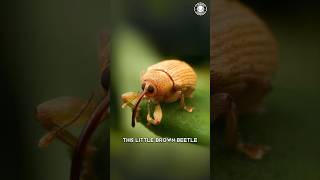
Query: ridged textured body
(166, 81)
(243, 54)
(173, 76)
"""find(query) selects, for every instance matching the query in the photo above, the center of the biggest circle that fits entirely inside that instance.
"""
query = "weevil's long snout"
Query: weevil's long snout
(134, 112)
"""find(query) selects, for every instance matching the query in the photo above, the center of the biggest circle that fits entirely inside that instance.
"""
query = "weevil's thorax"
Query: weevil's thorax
(161, 82)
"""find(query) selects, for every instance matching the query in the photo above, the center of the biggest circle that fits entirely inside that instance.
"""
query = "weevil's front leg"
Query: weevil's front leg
(129, 99)
(183, 105)
(224, 107)
(157, 115)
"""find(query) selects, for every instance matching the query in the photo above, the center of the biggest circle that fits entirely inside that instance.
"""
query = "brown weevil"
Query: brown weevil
(166, 81)
(243, 59)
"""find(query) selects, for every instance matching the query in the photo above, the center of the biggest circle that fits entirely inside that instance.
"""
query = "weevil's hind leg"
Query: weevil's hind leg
(157, 115)
(223, 106)
(183, 105)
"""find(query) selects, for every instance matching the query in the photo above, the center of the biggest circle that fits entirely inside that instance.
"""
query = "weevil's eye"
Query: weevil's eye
(143, 85)
(150, 89)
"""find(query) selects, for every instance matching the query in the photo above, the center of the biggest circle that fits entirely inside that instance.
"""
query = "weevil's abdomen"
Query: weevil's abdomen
(182, 74)
(243, 53)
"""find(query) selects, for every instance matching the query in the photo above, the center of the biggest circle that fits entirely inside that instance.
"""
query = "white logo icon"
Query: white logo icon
(200, 8)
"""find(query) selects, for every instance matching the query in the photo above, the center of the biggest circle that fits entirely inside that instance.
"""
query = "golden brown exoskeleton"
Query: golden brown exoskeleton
(166, 81)
(243, 59)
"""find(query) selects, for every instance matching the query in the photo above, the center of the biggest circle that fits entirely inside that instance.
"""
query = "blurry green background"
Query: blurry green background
(146, 32)
(291, 124)
(50, 49)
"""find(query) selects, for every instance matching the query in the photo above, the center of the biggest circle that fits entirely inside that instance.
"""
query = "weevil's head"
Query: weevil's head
(155, 84)
(149, 90)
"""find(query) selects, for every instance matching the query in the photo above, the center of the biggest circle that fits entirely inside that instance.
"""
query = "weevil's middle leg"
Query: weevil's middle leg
(223, 106)
(183, 105)
(157, 115)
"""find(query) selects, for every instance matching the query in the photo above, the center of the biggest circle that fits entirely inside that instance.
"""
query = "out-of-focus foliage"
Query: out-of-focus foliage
(133, 53)
(128, 48)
